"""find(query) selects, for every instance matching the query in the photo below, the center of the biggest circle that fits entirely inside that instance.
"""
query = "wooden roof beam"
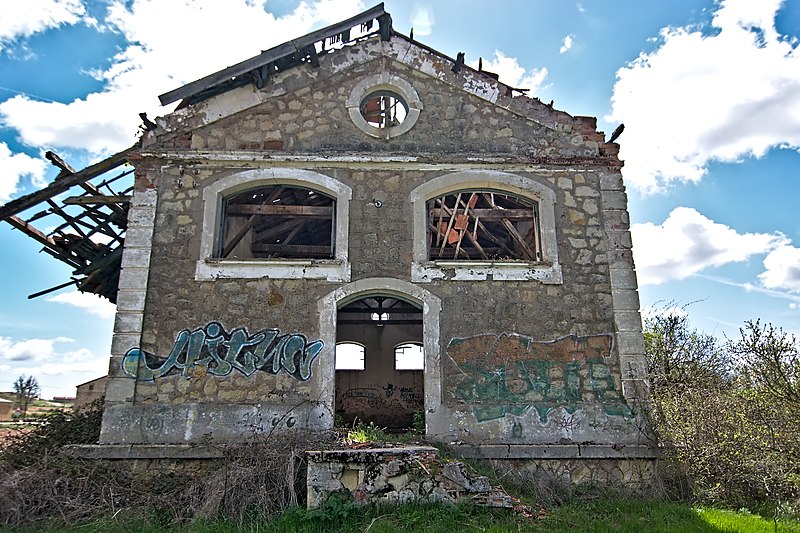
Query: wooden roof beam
(60, 185)
(273, 54)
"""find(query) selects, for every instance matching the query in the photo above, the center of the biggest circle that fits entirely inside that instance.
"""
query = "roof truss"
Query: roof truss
(80, 219)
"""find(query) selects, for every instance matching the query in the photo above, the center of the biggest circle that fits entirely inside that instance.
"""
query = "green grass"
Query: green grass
(601, 515)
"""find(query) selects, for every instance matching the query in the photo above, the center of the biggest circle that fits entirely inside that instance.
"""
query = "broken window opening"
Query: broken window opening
(384, 109)
(349, 356)
(409, 356)
(277, 222)
(486, 225)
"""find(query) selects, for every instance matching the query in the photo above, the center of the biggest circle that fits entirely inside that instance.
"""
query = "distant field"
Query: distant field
(36, 408)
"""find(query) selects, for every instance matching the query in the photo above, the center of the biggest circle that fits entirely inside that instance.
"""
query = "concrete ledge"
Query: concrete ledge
(142, 451)
(555, 451)
(366, 454)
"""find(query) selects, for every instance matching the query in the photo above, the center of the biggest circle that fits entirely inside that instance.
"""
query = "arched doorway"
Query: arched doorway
(379, 361)
(340, 297)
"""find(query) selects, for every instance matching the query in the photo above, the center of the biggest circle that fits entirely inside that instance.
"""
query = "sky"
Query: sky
(708, 90)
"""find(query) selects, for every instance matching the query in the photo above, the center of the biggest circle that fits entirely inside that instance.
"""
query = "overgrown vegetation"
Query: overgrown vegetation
(42, 484)
(727, 413)
(361, 433)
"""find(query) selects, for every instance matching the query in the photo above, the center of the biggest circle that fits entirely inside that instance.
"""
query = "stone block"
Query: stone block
(623, 278)
(614, 200)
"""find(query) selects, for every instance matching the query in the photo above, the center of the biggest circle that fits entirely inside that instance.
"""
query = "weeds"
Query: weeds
(361, 433)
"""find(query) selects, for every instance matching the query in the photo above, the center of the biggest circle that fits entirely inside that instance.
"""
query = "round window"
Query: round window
(384, 105)
(384, 109)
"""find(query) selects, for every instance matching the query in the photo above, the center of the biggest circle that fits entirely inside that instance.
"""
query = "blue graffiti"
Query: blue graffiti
(214, 351)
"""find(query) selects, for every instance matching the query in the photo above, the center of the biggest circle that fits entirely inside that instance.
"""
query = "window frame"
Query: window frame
(384, 82)
(455, 221)
(425, 270)
(219, 245)
(406, 343)
(209, 267)
(363, 358)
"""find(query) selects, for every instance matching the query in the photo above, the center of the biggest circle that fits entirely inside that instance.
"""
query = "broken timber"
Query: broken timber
(89, 227)
(258, 69)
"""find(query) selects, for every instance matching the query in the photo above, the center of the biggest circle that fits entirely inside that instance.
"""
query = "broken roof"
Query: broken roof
(90, 223)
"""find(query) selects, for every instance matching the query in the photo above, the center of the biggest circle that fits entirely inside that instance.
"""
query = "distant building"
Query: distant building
(90, 391)
(63, 399)
(6, 410)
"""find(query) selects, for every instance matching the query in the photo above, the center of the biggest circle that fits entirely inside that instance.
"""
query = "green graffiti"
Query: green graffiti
(537, 375)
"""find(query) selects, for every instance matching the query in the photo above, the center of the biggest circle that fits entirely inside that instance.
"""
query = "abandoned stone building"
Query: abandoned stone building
(354, 226)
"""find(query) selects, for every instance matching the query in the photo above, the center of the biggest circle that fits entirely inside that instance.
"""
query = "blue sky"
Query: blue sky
(709, 92)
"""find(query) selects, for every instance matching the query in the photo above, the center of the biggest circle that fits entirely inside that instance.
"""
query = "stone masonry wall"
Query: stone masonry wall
(306, 126)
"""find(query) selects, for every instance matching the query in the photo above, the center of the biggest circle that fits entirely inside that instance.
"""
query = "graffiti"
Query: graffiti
(510, 374)
(389, 397)
(212, 350)
(260, 422)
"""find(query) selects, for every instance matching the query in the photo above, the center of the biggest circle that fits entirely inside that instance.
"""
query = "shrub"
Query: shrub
(727, 422)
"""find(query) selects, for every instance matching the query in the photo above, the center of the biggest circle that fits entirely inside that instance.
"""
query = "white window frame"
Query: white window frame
(423, 270)
(210, 268)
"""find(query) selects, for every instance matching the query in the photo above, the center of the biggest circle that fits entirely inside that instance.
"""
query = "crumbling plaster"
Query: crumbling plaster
(298, 130)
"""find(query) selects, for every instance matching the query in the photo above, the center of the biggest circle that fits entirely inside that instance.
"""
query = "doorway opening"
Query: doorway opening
(380, 362)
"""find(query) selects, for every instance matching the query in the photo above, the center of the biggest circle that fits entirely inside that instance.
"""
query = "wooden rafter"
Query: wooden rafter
(86, 230)
(483, 225)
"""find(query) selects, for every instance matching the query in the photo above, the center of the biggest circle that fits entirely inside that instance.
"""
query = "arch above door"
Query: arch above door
(431, 310)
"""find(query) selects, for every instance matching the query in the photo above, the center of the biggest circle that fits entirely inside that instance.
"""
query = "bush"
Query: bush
(40, 485)
(726, 421)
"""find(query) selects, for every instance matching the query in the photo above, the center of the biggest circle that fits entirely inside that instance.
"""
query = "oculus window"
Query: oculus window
(384, 109)
(384, 105)
(277, 222)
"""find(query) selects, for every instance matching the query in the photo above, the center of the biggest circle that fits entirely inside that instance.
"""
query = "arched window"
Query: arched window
(277, 221)
(286, 223)
(477, 225)
(484, 225)
(349, 356)
(409, 356)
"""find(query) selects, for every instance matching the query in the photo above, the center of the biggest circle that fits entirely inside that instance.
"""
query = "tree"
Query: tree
(27, 390)
(769, 358)
(680, 355)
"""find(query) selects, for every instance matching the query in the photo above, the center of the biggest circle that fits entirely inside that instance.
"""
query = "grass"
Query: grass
(597, 516)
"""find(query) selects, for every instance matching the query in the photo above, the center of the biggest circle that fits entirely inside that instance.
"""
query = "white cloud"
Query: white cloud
(721, 95)
(512, 74)
(30, 349)
(782, 269)
(13, 167)
(687, 243)
(92, 303)
(566, 44)
(423, 20)
(23, 18)
(168, 46)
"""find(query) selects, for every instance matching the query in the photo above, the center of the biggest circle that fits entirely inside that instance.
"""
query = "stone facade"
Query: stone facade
(545, 352)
